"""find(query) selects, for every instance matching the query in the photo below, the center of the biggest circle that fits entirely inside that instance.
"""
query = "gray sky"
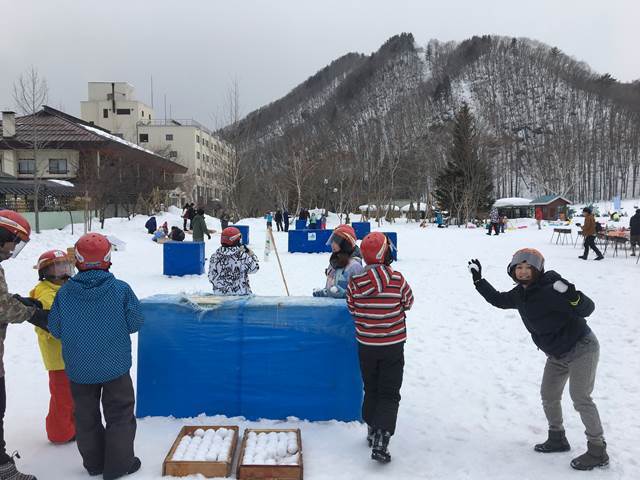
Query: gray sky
(194, 48)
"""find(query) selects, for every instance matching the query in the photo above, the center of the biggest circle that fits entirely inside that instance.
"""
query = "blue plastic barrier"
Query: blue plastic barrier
(393, 237)
(259, 357)
(309, 241)
(244, 230)
(361, 228)
(183, 258)
(301, 224)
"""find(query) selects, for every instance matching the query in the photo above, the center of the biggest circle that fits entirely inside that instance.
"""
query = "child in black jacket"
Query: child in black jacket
(553, 312)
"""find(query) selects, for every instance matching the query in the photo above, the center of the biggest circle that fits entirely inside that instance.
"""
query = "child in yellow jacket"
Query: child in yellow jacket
(54, 269)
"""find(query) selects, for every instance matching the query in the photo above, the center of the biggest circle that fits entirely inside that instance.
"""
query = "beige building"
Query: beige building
(112, 105)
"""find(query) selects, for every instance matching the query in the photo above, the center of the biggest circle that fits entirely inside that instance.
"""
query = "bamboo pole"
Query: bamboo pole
(275, 249)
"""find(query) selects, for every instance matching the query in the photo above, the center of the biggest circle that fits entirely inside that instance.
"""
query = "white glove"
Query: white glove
(560, 286)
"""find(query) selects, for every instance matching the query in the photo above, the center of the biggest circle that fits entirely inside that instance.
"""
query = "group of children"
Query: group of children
(88, 352)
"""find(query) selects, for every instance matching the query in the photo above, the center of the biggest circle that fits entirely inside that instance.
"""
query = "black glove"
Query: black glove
(29, 302)
(209, 237)
(40, 318)
(476, 270)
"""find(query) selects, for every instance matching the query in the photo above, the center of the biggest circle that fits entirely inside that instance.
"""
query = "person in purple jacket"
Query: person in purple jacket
(345, 261)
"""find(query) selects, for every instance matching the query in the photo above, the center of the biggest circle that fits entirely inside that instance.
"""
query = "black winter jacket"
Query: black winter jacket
(555, 323)
(634, 224)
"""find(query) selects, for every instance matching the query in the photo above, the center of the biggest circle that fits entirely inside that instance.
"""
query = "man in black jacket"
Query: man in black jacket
(634, 225)
(554, 312)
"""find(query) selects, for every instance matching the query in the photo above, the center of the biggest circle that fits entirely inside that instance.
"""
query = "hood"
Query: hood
(379, 275)
(91, 284)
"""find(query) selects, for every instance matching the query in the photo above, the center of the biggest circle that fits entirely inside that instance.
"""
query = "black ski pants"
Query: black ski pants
(4, 458)
(590, 242)
(382, 368)
(110, 449)
(279, 226)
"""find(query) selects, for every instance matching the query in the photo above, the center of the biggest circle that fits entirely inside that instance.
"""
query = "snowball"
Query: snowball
(177, 456)
(292, 447)
(270, 461)
(292, 436)
(282, 436)
(199, 433)
(272, 435)
(210, 457)
(253, 435)
(259, 459)
(223, 456)
(223, 432)
(291, 460)
(282, 450)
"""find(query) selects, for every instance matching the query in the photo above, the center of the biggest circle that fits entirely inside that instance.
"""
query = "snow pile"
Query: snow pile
(209, 445)
(273, 448)
(512, 202)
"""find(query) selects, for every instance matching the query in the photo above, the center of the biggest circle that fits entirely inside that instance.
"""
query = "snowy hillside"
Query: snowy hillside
(470, 400)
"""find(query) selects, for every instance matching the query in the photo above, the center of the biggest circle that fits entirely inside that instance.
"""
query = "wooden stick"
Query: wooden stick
(275, 249)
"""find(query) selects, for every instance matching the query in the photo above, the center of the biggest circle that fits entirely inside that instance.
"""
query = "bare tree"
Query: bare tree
(30, 93)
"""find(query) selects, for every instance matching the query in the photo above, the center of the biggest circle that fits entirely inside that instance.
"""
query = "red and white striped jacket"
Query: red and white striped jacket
(377, 299)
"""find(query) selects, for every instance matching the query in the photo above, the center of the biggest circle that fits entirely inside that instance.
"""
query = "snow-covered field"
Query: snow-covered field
(470, 406)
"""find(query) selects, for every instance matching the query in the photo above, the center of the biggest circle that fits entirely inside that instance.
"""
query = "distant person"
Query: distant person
(634, 226)
(589, 235)
(313, 221)
(278, 219)
(224, 220)
(165, 228)
(185, 216)
(323, 221)
(231, 265)
(159, 235)
(285, 218)
(199, 227)
(503, 223)
(494, 221)
(538, 216)
(269, 218)
(151, 225)
(439, 220)
(191, 213)
(176, 234)
(345, 261)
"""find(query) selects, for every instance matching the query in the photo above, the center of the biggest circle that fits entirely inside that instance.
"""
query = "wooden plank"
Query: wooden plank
(207, 468)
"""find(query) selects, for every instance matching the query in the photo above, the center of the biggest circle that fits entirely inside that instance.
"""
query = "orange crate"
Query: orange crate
(270, 472)
(182, 468)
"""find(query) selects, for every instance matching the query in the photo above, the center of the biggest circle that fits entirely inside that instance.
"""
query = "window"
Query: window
(144, 137)
(173, 154)
(198, 155)
(26, 166)
(197, 139)
(123, 111)
(105, 113)
(149, 116)
(142, 113)
(198, 172)
(58, 165)
(169, 137)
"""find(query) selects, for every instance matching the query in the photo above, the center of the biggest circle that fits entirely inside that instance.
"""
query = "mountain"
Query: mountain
(378, 127)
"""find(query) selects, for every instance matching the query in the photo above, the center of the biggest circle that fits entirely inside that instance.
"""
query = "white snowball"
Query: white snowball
(199, 433)
(223, 456)
(270, 461)
(291, 460)
(282, 450)
(210, 457)
(272, 435)
(292, 436)
(259, 459)
(177, 456)
(292, 447)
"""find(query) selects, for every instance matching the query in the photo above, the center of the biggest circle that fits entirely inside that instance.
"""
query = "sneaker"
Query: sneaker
(582, 257)
(8, 471)
(595, 456)
(599, 257)
(556, 442)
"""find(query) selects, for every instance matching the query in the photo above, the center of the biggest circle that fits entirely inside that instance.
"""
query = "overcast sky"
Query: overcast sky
(194, 48)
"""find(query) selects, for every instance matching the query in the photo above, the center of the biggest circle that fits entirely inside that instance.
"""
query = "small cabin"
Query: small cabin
(553, 207)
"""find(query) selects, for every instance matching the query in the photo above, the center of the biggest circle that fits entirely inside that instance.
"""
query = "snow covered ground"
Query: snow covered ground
(470, 407)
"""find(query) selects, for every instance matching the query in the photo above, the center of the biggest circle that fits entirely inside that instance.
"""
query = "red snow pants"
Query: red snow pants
(60, 423)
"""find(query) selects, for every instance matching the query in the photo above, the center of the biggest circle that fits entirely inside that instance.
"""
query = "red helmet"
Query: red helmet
(14, 228)
(344, 235)
(54, 264)
(230, 236)
(376, 248)
(93, 252)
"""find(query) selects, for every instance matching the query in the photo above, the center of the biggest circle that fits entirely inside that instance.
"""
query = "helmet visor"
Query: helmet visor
(20, 244)
(526, 257)
(59, 270)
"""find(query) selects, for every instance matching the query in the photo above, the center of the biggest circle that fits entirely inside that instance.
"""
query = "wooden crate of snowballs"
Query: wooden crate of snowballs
(270, 454)
(207, 450)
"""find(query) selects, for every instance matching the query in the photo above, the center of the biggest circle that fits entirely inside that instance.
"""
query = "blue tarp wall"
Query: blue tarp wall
(259, 357)
(309, 241)
(393, 238)
(183, 258)
(301, 224)
(244, 230)
(361, 229)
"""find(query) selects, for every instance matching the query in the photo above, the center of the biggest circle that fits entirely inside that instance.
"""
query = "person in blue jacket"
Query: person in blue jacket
(94, 315)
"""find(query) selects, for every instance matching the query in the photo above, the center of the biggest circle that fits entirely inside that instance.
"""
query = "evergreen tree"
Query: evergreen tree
(464, 186)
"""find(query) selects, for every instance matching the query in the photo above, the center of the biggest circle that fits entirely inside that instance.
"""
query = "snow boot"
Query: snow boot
(582, 257)
(370, 434)
(557, 442)
(380, 451)
(135, 466)
(8, 471)
(599, 257)
(595, 456)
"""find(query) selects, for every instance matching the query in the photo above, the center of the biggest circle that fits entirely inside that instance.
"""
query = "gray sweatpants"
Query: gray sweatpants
(578, 366)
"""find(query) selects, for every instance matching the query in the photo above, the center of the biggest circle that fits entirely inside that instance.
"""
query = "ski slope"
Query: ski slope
(470, 401)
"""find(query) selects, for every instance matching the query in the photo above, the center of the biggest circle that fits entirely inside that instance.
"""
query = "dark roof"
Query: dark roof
(57, 129)
(547, 199)
(13, 186)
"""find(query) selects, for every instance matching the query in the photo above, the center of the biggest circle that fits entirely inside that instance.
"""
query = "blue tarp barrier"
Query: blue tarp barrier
(244, 230)
(259, 357)
(361, 228)
(301, 224)
(183, 258)
(309, 241)
(393, 237)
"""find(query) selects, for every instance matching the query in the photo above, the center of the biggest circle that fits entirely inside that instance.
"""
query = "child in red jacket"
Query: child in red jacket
(378, 300)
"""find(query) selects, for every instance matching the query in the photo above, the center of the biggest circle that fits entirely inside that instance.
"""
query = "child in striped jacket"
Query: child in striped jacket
(378, 299)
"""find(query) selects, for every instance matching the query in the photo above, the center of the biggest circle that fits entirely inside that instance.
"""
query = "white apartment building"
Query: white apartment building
(194, 146)
(112, 105)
